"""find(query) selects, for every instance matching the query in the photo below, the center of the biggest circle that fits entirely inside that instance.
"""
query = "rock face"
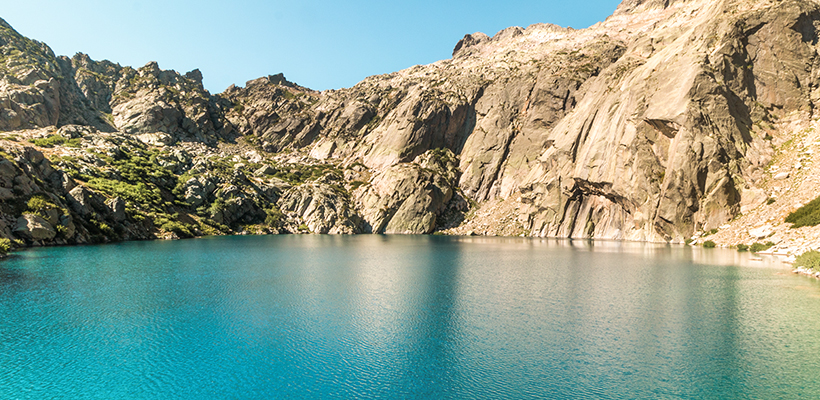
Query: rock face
(648, 126)
(653, 125)
(407, 198)
(322, 206)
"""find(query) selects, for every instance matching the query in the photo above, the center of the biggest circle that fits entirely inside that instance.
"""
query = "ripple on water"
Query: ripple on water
(402, 317)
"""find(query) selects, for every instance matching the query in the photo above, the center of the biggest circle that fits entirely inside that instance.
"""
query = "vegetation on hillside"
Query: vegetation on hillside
(808, 215)
(758, 247)
(809, 259)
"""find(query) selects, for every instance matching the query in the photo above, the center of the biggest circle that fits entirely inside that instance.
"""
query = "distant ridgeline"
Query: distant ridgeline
(668, 122)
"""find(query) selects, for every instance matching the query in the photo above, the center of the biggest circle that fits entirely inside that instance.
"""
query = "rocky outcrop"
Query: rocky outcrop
(270, 111)
(321, 207)
(408, 198)
(29, 92)
(148, 100)
(34, 227)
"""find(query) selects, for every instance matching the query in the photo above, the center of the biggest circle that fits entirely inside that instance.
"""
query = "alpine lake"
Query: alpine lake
(404, 317)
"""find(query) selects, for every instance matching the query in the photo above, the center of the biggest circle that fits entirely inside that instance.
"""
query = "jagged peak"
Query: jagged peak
(629, 6)
(470, 40)
(278, 79)
(479, 39)
(510, 32)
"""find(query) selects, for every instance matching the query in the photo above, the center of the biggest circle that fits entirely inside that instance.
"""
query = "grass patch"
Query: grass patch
(709, 244)
(808, 215)
(742, 247)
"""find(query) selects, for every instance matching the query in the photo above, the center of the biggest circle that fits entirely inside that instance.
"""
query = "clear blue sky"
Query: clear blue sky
(320, 44)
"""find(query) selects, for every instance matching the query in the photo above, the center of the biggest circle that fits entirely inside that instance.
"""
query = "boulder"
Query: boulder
(265, 170)
(781, 176)
(85, 201)
(117, 207)
(761, 232)
(34, 227)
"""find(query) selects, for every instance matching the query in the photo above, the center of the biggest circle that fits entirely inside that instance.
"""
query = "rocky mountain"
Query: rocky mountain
(669, 121)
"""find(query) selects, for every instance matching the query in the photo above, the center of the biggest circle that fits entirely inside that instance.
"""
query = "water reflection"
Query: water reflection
(700, 255)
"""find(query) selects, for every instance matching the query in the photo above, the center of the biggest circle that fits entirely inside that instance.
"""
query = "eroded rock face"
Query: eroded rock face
(408, 198)
(149, 100)
(644, 127)
(322, 207)
(29, 92)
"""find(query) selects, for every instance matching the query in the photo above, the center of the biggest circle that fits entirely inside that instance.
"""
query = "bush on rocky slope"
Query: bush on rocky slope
(809, 259)
(808, 215)
(758, 247)
(5, 246)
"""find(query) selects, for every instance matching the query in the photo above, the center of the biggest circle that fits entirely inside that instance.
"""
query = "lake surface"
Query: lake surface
(403, 317)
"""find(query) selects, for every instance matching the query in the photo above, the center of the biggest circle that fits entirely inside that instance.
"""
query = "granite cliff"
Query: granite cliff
(669, 121)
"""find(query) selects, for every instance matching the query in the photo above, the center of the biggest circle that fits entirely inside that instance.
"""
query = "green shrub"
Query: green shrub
(757, 247)
(274, 217)
(742, 247)
(809, 259)
(299, 173)
(770, 201)
(808, 215)
(61, 230)
(688, 242)
(73, 143)
(56, 140)
(137, 167)
(216, 207)
(5, 246)
(40, 205)
(139, 193)
(49, 141)
(182, 230)
(99, 227)
(709, 244)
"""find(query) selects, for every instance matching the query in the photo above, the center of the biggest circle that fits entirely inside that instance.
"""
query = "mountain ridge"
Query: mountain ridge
(661, 123)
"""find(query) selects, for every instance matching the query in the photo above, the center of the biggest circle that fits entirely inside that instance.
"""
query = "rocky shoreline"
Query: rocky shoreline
(807, 272)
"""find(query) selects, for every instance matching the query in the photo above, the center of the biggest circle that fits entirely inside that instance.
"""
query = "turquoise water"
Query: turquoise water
(403, 317)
